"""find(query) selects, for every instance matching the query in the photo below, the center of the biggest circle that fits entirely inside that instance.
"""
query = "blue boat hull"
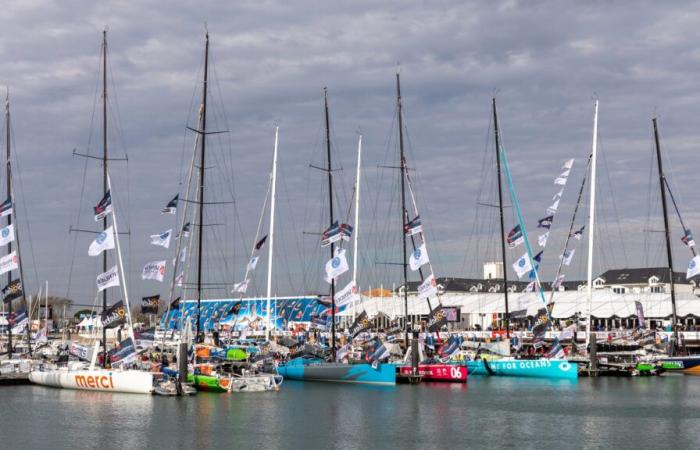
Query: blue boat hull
(316, 370)
(540, 368)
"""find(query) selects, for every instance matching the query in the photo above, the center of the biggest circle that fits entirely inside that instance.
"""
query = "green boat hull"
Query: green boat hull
(205, 383)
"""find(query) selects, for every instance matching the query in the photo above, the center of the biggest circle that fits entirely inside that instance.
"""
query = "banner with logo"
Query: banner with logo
(149, 305)
(9, 262)
(7, 234)
(108, 279)
(154, 270)
(114, 316)
(361, 323)
(347, 295)
(428, 287)
(12, 291)
(103, 241)
(436, 320)
(124, 353)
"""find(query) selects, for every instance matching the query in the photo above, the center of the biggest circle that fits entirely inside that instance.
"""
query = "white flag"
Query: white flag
(108, 279)
(428, 288)
(542, 239)
(183, 254)
(558, 194)
(568, 164)
(9, 262)
(240, 287)
(553, 207)
(561, 179)
(558, 281)
(530, 286)
(252, 263)
(162, 239)
(179, 278)
(418, 258)
(336, 266)
(347, 295)
(522, 265)
(7, 234)
(103, 241)
(567, 257)
(693, 267)
(154, 270)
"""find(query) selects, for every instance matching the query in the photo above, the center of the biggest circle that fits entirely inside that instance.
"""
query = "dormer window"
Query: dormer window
(654, 280)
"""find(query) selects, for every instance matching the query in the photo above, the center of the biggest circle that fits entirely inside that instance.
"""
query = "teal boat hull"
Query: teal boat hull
(526, 368)
(303, 369)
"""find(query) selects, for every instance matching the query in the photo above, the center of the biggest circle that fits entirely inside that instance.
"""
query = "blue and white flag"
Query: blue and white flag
(418, 258)
(542, 239)
(522, 265)
(171, 207)
(687, 238)
(331, 234)
(415, 226)
(186, 230)
(162, 239)
(336, 266)
(345, 231)
(556, 284)
(515, 237)
(693, 267)
(567, 257)
(252, 264)
(103, 241)
(556, 350)
(7, 234)
(545, 222)
(6, 208)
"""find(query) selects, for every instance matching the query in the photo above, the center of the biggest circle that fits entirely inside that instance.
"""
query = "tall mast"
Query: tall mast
(357, 216)
(403, 209)
(330, 206)
(591, 222)
(104, 182)
(9, 217)
(203, 132)
(500, 210)
(272, 234)
(669, 255)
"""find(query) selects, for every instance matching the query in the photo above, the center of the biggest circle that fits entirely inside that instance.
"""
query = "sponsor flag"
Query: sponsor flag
(345, 231)
(687, 238)
(538, 257)
(336, 266)
(240, 287)
(9, 262)
(7, 234)
(18, 321)
(568, 332)
(104, 207)
(428, 287)
(123, 353)
(578, 234)
(545, 222)
(103, 241)
(186, 230)
(179, 279)
(540, 328)
(379, 352)
(108, 279)
(415, 226)
(515, 237)
(556, 284)
(561, 179)
(693, 267)
(530, 286)
(436, 319)
(331, 235)
(568, 164)
(542, 239)
(321, 323)
(154, 270)
(252, 263)
(556, 350)
(567, 257)
(360, 324)
(12, 291)
(640, 314)
(452, 346)
(6, 208)
(418, 258)
(114, 316)
(171, 207)
(522, 265)
(149, 305)
(79, 351)
(553, 207)
(342, 352)
(558, 194)
(162, 239)
(40, 336)
(260, 243)
(347, 295)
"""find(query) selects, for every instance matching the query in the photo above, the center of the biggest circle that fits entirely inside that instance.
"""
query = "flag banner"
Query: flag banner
(578, 234)
(336, 266)
(556, 284)
(553, 207)
(115, 315)
(7, 234)
(186, 230)
(360, 324)
(9, 262)
(540, 328)
(18, 321)
(108, 279)
(179, 279)
(342, 352)
(347, 295)
(556, 350)
(183, 255)
(377, 352)
(538, 257)
(530, 286)
(149, 305)
(558, 194)
(693, 267)
(162, 239)
(331, 235)
(687, 238)
(40, 336)
(640, 314)
(252, 263)
(346, 231)
(321, 323)
(568, 332)
(6, 208)
(79, 351)
(542, 239)
(154, 270)
(12, 291)
(567, 257)
(515, 237)
(428, 288)
(436, 319)
(522, 265)
(145, 338)
(418, 258)
(561, 179)
(415, 226)
(123, 353)
(241, 287)
(546, 222)
(452, 346)
(260, 243)
(171, 207)
(103, 241)
(568, 164)
(104, 207)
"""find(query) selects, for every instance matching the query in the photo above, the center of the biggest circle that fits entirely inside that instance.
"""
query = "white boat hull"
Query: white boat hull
(129, 381)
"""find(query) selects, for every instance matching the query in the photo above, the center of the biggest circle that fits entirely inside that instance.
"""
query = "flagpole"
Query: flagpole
(591, 223)
(357, 222)
(272, 234)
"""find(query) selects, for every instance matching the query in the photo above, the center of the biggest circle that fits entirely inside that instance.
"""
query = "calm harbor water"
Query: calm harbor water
(487, 413)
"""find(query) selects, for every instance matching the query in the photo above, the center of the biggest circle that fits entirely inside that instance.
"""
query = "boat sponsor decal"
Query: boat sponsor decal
(94, 381)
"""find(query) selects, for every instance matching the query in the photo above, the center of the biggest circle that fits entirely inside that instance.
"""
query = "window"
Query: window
(619, 290)
(656, 289)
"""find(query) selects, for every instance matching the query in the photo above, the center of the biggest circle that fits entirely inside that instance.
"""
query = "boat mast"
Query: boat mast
(203, 132)
(403, 211)
(357, 217)
(272, 234)
(591, 223)
(330, 206)
(104, 183)
(500, 210)
(9, 217)
(669, 255)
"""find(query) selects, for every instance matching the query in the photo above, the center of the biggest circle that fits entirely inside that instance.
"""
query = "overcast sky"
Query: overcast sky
(270, 61)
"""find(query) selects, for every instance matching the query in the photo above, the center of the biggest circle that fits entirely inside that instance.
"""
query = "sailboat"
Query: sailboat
(106, 378)
(317, 369)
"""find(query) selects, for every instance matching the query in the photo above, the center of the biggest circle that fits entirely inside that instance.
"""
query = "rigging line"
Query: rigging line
(647, 224)
(186, 120)
(283, 180)
(612, 197)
